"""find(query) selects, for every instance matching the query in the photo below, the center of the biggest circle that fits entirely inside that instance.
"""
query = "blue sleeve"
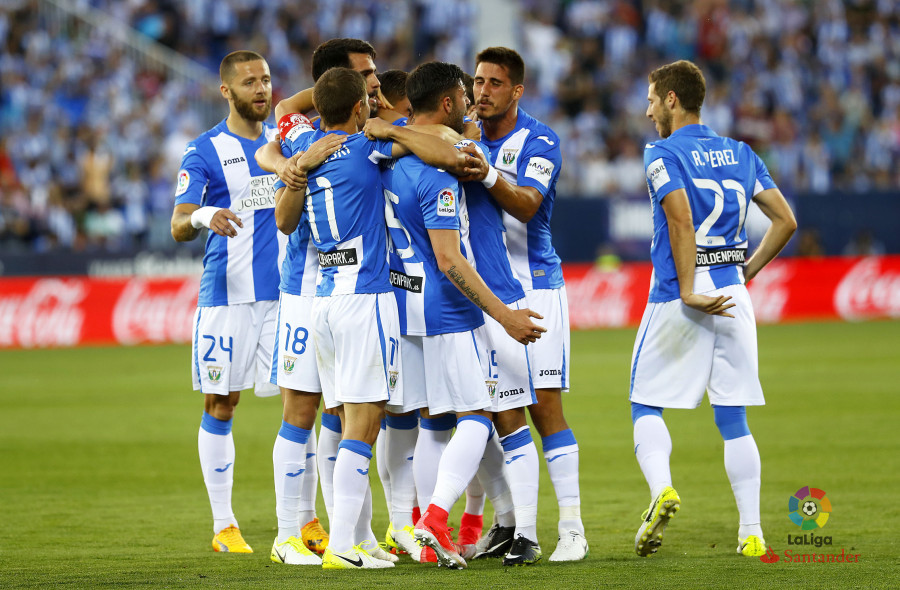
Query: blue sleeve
(380, 149)
(438, 194)
(540, 162)
(663, 172)
(193, 176)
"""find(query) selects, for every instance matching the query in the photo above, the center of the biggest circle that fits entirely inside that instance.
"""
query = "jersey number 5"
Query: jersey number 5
(702, 234)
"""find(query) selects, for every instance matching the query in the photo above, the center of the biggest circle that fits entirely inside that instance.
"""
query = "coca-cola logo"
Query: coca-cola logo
(599, 299)
(868, 291)
(770, 291)
(49, 314)
(144, 315)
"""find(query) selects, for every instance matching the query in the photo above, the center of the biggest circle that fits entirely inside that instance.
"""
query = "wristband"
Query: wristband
(491, 178)
(203, 216)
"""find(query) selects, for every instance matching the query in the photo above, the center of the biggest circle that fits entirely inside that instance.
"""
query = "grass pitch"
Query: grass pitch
(100, 484)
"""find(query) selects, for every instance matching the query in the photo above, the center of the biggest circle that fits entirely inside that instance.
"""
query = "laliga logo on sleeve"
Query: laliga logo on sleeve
(446, 203)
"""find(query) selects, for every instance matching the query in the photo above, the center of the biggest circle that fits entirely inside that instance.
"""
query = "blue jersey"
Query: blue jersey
(530, 156)
(487, 236)
(421, 197)
(299, 271)
(720, 176)
(218, 169)
(345, 211)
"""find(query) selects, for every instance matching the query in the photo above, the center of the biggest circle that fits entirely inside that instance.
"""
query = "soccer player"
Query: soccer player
(699, 184)
(393, 88)
(220, 187)
(359, 55)
(355, 313)
(295, 371)
(526, 153)
(433, 282)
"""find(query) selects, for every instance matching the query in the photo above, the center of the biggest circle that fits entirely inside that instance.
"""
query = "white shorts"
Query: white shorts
(506, 365)
(453, 378)
(550, 354)
(680, 353)
(358, 348)
(232, 348)
(413, 377)
(294, 361)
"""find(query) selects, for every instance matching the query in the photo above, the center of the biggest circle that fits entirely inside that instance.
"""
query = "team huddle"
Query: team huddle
(393, 258)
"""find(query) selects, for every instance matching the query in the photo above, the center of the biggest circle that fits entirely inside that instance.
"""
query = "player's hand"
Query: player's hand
(376, 128)
(709, 305)
(477, 167)
(318, 152)
(221, 223)
(518, 324)
(472, 131)
(381, 102)
(290, 175)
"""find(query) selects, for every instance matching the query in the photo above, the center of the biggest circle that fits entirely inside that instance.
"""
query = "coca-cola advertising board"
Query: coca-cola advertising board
(53, 312)
(787, 290)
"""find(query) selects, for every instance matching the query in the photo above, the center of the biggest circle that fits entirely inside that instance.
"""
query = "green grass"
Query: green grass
(100, 484)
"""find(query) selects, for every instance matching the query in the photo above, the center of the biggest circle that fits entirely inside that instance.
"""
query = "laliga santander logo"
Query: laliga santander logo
(809, 508)
(446, 198)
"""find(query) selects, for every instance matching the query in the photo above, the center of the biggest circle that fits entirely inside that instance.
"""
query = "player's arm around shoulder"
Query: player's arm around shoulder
(773, 204)
(433, 150)
(679, 218)
(451, 262)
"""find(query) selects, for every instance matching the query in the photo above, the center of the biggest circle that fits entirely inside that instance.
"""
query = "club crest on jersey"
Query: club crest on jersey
(446, 202)
(509, 156)
(392, 379)
(184, 179)
(492, 388)
(289, 362)
(214, 373)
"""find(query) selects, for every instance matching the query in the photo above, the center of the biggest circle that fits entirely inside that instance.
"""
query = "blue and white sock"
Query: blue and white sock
(742, 465)
(289, 463)
(402, 433)
(461, 459)
(561, 453)
(521, 469)
(351, 479)
(434, 435)
(310, 482)
(326, 456)
(215, 445)
(652, 446)
(492, 478)
(363, 532)
(381, 464)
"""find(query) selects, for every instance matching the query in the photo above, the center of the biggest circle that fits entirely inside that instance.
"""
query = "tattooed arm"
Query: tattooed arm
(452, 263)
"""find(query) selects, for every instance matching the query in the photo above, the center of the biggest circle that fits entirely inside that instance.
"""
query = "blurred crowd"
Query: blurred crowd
(91, 136)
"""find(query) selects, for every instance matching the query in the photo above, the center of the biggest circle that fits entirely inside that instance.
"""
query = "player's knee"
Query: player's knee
(640, 410)
(731, 421)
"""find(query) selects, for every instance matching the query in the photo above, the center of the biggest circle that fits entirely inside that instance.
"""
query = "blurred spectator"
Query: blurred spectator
(864, 244)
(809, 244)
(94, 133)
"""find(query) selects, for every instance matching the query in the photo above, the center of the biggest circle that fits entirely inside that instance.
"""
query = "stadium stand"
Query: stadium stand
(97, 99)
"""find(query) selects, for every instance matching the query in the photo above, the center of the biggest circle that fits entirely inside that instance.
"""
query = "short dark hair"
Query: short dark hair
(227, 69)
(393, 84)
(431, 82)
(469, 83)
(683, 78)
(335, 53)
(335, 94)
(507, 58)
